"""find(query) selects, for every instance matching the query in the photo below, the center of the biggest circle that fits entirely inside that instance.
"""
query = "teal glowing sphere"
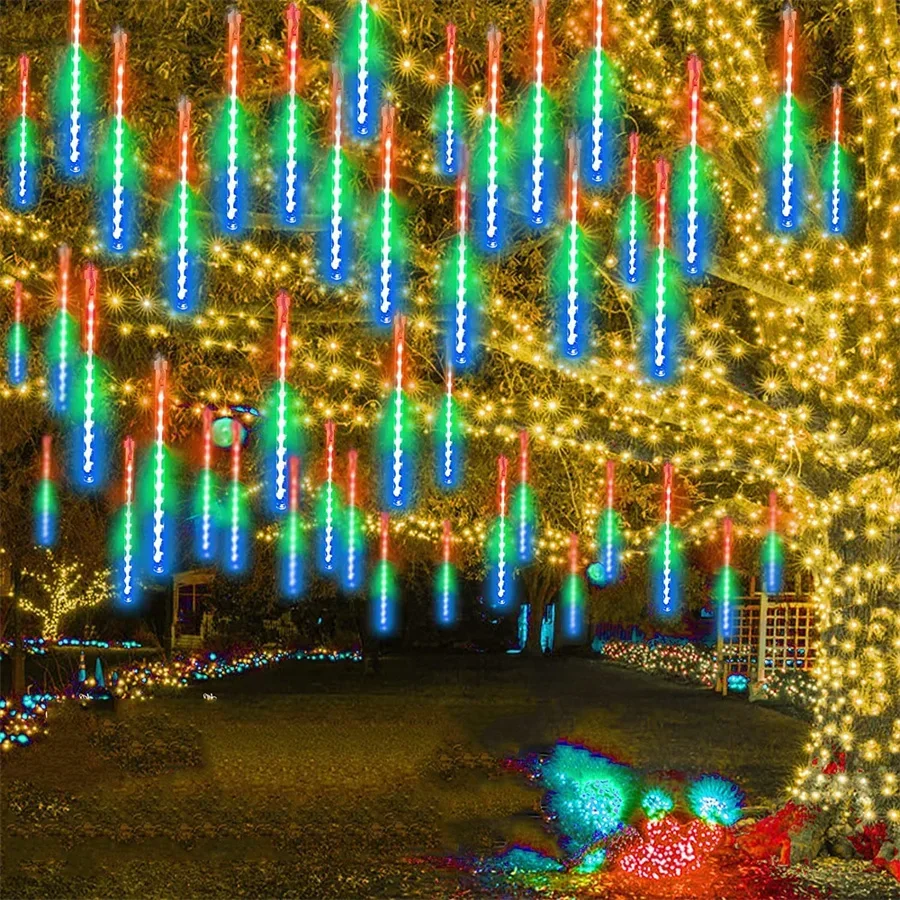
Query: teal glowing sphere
(596, 574)
(221, 431)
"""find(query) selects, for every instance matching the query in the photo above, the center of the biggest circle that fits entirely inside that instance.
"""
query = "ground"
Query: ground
(319, 780)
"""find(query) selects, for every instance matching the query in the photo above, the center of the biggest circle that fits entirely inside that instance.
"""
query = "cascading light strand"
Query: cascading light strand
(539, 134)
(125, 553)
(160, 529)
(598, 110)
(727, 588)
(364, 66)
(291, 140)
(461, 289)
(62, 349)
(663, 303)
(182, 239)
(291, 543)
(330, 511)
(836, 180)
(398, 434)
(118, 172)
(23, 147)
(632, 224)
(772, 552)
(666, 553)
(231, 151)
(524, 507)
(490, 176)
(206, 524)
(17, 341)
(572, 598)
(387, 246)
(447, 122)
(282, 333)
(237, 539)
(609, 531)
(446, 583)
(449, 438)
(383, 591)
(501, 546)
(336, 196)
(354, 556)
(75, 100)
(571, 280)
(46, 501)
(693, 190)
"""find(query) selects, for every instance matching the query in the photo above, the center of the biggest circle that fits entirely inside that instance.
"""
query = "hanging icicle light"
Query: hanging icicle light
(447, 122)
(337, 198)
(524, 508)
(572, 601)
(206, 513)
(500, 587)
(727, 587)
(771, 557)
(292, 541)
(237, 510)
(125, 547)
(291, 149)
(387, 245)
(17, 342)
(63, 351)
(609, 532)
(282, 425)
(46, 501)
(363, 60)
(462, 289)
(632, 225)
(572, 282)
(446, 583)
(787, 145)
(353, 575)
(693, 188)
(89, 413)
(666, 556)
(663, 303)
(383, 592)
(836, 180)
(74, 101)
(231, 152)
(398, 437)
(449, 438)
(329, 513)
(490, 165)
(182, 238)
(158, 484)
(23, 151)
(539, 136)
(597, 111)
(119, 172)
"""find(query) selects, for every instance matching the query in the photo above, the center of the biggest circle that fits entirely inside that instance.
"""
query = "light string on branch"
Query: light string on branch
(524, 507)
(446, 582)
(666, 555)
(23, 147)
(292, 540)
(771, 552)
(447, 121)
(17, 341)
(182, 238)
(383, 591)
(632, 231)
(46, 500)
(231, 151)
(118, 171)
(206, 513)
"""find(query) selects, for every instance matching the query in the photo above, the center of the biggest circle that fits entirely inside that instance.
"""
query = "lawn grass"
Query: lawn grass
(318, 780)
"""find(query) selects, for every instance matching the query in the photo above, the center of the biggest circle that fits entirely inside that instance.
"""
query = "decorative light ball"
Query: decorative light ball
(596, 574)
(221, 432)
